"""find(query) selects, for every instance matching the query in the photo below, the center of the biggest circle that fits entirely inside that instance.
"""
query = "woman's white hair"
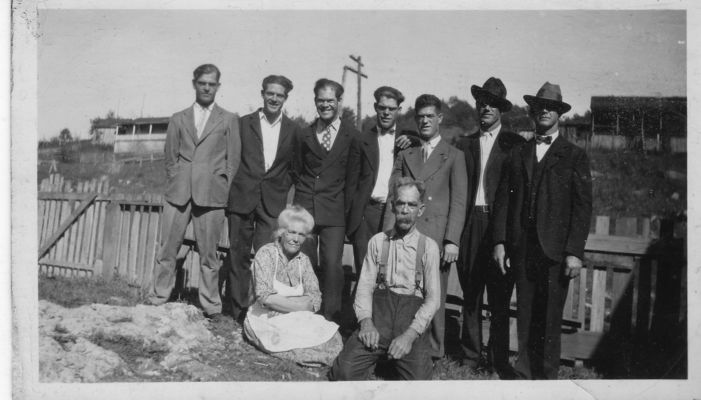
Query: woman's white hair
(293, 213)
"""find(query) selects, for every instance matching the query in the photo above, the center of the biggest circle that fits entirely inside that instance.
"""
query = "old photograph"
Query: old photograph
(286, 199)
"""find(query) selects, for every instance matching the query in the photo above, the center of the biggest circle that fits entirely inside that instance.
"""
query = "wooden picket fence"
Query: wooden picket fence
(635, 272)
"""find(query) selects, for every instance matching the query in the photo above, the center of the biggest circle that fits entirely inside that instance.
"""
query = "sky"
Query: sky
(140, 62)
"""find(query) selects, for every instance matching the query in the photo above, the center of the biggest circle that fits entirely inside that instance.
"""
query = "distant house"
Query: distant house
(140, 135)
(104, 130)
(625, 121)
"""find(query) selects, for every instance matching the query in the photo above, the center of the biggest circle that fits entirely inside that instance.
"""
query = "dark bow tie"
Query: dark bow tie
(543, 139)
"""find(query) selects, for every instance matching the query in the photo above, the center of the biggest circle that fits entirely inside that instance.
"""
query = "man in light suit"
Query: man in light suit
(442, 169)
(379, 146)
(202, 154)
(259, 191)
(540, 224)
(485, 152)
(327, 163)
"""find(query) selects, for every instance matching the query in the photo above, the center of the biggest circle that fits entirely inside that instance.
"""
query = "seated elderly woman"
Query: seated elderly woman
(282, 321)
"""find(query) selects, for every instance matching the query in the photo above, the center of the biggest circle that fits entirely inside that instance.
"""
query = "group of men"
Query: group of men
(501, 209)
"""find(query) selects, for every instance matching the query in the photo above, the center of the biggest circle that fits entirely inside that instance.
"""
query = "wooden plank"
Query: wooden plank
(62, 244)
(134, 244)
(54, 222)
(143, 238)
(103, 187)
(80, 228)
(567, 311)
(617, 244)
(41, 205)
(194, 275)
(111, 239)
(645, 227)
(72, 232)
(124, 242)
(87, 241)
(621, 302)
(65, 264)
(598, 300)
(602, 225)
(89, 198)
(581, 298)
(152, 247)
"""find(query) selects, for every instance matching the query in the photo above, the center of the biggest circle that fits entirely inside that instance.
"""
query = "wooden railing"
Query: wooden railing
(634, 277)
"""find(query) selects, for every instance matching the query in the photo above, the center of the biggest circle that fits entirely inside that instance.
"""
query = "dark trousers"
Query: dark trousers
(207, 223)
(541, 289)
(437, 337)
(245, 230)
(391, 314)
(369, 227)
(477, 271)
(328, 268)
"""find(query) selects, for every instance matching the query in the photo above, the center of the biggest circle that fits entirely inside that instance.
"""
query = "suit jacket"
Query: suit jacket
(254, 185)
(326, 181)
(201, 168)
(470, 145)
(445, 178)
(563, 202)
(369, 165)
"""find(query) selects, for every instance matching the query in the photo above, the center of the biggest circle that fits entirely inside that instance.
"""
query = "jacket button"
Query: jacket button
(317, 177)
(430, 198)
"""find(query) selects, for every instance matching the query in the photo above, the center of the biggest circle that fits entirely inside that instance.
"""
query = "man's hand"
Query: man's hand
(401, 345)
(402, 142)
(572, 266)
(368, 334)
(500, 258)
(450, 253)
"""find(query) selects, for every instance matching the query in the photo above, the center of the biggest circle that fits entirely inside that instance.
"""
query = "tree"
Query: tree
(65, 135)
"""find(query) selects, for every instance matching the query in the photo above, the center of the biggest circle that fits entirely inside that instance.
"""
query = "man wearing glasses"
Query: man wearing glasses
(259, 191)
(379, 146)
(327, 164)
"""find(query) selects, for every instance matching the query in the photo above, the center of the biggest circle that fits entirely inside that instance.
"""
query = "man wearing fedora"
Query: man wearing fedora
(485, 152)
(540, 224)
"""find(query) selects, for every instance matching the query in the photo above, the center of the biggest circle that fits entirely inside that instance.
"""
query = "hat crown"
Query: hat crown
(495, 86)
(550, 91)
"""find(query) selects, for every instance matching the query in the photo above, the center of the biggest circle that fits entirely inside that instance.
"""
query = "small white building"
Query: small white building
(140, 135)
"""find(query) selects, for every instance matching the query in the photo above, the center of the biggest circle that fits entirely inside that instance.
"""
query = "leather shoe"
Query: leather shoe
(215, 317)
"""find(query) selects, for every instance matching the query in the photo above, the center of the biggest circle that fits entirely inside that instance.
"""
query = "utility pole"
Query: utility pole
(361, 75)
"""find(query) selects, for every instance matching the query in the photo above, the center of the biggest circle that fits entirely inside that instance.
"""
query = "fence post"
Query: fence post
(111, 239)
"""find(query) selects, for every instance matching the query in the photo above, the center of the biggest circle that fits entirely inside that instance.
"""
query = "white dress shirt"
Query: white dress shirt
(271, 136)
(333, 129)
(542, 148)
(487, 139)
(385, 144)
(430, 145)
(200, 119)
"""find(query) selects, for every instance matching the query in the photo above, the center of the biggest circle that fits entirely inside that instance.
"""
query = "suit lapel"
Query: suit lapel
(312, 143)
(256, 128)
(215, 118)
(412, 158)
(528, 157)
(286, 132)
(189, 116)
(372, 149)
(435, 160)
(554, 153)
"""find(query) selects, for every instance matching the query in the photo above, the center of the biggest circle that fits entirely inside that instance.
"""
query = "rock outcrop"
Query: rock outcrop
(107, 342)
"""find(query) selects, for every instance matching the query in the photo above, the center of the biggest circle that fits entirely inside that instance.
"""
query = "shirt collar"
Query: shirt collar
(262, 117)
(433, 142)
(391, 130)
(493, 131)
(208, 108)
(334, 125)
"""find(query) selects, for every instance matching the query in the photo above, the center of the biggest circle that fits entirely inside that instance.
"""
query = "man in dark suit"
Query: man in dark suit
(541, 222)
(379, 146)
(202, 154)
(485, 152)
(442, 169)
(259, 191)
(327, 164)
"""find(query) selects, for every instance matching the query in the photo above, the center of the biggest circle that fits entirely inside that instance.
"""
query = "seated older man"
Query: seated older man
(398, 294)
(282, 320)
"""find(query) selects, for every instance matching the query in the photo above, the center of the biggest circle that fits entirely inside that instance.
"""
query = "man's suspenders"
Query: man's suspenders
(418, 267)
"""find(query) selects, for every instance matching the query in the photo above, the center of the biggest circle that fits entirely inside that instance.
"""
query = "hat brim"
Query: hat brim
(560, 106)
(487, 97)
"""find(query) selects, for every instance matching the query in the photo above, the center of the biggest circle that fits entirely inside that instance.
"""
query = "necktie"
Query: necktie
(201, 122)
(326, 139)
(424, 152)
(543, 139)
